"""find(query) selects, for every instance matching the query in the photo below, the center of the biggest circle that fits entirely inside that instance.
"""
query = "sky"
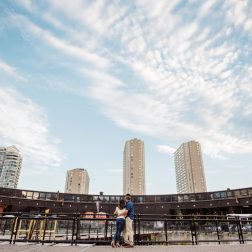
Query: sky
(79, 78)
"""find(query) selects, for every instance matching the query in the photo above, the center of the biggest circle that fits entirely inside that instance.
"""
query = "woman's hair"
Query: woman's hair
(121, 204)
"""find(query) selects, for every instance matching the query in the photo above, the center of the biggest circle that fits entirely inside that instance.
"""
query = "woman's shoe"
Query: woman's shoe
(113, 244)
(118, 244)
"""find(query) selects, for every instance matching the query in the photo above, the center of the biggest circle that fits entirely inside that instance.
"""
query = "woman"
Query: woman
(120, 222)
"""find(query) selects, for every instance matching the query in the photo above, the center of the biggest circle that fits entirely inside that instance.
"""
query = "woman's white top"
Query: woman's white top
(119, 211)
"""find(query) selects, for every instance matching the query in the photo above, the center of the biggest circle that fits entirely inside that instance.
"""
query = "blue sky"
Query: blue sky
(79, 78)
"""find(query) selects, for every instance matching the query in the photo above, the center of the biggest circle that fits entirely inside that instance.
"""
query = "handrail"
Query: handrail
(74, 228)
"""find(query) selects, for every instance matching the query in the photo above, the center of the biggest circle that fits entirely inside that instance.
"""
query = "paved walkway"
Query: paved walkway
(24, 247)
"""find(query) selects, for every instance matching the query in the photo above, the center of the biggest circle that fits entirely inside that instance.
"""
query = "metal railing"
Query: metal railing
(99, 229)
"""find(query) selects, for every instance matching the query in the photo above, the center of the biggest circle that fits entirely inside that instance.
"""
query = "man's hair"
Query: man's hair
(127, 196)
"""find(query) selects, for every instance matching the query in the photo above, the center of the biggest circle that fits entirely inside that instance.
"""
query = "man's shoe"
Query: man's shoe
(129, 246)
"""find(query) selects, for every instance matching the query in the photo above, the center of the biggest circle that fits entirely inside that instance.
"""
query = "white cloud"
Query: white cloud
(163, 102)
(54, 21)
(27, 4)
(239, 13)
(165, 149)
(96, 16)
(248, 25)
(185, 82)
(63, 46)
(104, 79)
(206, 7)
(25, 124)
(11, 71)
(248, 110)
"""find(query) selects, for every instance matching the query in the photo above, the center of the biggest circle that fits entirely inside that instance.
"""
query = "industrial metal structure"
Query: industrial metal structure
(216, 202)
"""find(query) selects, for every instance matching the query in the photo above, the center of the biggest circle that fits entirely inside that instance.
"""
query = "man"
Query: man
(128, 231)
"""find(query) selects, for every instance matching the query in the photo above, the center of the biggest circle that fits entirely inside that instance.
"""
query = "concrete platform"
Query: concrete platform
(24, 247)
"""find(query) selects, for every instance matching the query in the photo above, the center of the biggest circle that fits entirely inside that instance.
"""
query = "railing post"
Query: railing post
(217, 229)
(191, 227)
(89, 230)
(111, 230)
(166, 230)
(73, 230)
(67, 227)
(14, 229)
(138, 227)
(193, 231)
(45, 226)
(106, 230)
(134, 224)
(77, 228)
(239, 229)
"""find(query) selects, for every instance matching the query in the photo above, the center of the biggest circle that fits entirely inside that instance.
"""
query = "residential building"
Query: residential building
(190, 177)
(134, 167)
(77, 181)
(10, 166)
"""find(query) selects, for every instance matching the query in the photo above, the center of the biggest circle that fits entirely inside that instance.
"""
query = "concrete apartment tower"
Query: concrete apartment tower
(77, 181)
(134, 167)
(10, 166)
(190, 177)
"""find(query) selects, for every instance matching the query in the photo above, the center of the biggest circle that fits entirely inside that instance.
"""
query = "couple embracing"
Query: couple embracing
(124, 223)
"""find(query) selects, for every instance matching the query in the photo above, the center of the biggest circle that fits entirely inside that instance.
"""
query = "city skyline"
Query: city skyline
(74, 87)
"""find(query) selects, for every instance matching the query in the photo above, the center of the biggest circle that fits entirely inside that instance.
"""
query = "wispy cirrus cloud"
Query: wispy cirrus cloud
(103, 16)
(11, 71)
(27, 4)
(194, 85)
(60, 44)
(25, 124)
(189, 66)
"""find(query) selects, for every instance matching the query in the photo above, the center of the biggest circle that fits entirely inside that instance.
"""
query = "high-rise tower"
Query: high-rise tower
(77, 181)
(134, 167)
(10, 166)
(190, 177)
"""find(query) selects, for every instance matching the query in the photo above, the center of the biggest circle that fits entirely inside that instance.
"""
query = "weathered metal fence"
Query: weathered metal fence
(99, 229)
